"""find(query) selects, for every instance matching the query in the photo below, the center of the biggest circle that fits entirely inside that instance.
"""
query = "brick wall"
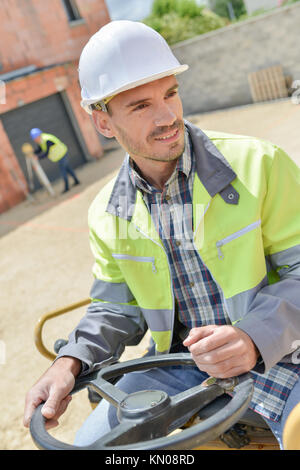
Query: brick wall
(220, 61)
(33, 33)
(13, 185)
(45, 83)
(37, 32)
(24, 91)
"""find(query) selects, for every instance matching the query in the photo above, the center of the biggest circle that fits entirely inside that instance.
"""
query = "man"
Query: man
(53, 148)
(197, 239)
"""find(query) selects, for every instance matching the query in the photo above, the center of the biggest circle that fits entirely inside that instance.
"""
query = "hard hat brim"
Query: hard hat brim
(86, 103)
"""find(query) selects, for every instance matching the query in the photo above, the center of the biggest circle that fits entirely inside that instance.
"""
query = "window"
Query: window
(71, 10)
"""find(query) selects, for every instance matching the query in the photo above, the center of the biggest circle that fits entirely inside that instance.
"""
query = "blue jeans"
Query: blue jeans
(65, 169)
(171, 380)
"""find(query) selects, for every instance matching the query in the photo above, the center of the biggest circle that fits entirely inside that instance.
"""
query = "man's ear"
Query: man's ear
(102, 123)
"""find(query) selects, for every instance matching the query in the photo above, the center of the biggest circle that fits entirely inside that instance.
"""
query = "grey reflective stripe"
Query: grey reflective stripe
(239, 305)
(139, 259)
(289, 257)
(158, 319)
(111, 292)
(130, 311)
(235, 235)
(101, 335)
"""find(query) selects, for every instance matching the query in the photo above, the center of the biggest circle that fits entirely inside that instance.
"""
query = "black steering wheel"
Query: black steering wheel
(147, 417)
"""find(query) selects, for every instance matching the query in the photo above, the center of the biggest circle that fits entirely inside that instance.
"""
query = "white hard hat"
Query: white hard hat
(120, 56)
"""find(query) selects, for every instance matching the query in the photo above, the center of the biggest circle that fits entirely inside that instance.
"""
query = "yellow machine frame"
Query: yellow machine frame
(38, 331)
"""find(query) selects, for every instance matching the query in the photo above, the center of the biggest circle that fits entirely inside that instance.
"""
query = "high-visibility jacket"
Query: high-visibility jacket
(56, 151)
(246, 218)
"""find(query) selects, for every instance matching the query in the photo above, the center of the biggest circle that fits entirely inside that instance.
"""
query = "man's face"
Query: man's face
(38, 139)
(147, 121)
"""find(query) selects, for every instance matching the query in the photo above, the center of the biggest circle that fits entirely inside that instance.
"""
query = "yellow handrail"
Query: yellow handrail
(48, 316)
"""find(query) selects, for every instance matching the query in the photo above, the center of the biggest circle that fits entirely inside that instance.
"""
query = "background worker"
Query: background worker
(32, 164)
(52, 147)
(186, 238)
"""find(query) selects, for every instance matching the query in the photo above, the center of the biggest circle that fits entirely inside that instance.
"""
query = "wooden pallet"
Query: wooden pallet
(268, 84)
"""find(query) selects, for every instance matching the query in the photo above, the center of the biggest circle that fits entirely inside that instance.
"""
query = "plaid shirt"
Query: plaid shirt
(198, 296)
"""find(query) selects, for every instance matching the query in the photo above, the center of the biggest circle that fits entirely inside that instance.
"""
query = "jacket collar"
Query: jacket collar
(212, 168)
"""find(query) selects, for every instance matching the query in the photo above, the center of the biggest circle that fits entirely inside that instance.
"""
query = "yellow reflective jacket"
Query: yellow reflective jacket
(56, 151)
(246, 213)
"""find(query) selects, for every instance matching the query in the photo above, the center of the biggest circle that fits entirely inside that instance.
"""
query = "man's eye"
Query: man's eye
(140, 107)
(172, 93)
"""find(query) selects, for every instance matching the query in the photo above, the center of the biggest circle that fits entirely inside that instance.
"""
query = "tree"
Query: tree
(184, 8)
(222, 8)
(177, 20)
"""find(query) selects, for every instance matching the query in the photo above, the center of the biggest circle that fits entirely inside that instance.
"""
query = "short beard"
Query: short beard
(134, 149)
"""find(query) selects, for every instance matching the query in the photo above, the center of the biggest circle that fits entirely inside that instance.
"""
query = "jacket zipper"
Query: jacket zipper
(140, 259)
(235, 235)
(172, 291)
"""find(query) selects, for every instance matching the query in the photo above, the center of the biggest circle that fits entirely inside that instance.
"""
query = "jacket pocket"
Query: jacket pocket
(235, 235)
(138, 259)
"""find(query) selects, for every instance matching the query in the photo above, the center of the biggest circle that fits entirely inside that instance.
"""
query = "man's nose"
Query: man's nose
(164, 116)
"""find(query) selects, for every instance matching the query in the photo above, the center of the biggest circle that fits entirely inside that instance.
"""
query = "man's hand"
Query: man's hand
(222, 351)
(53, 388)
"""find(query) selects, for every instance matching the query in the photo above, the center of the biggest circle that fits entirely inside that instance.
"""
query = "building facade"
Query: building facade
(40, 44)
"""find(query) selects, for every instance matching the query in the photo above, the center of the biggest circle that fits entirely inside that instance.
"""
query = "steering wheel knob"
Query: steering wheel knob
(144, 403)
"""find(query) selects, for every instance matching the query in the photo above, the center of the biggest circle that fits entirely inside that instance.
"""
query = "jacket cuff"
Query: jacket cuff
(79, 352)
(261, 337)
